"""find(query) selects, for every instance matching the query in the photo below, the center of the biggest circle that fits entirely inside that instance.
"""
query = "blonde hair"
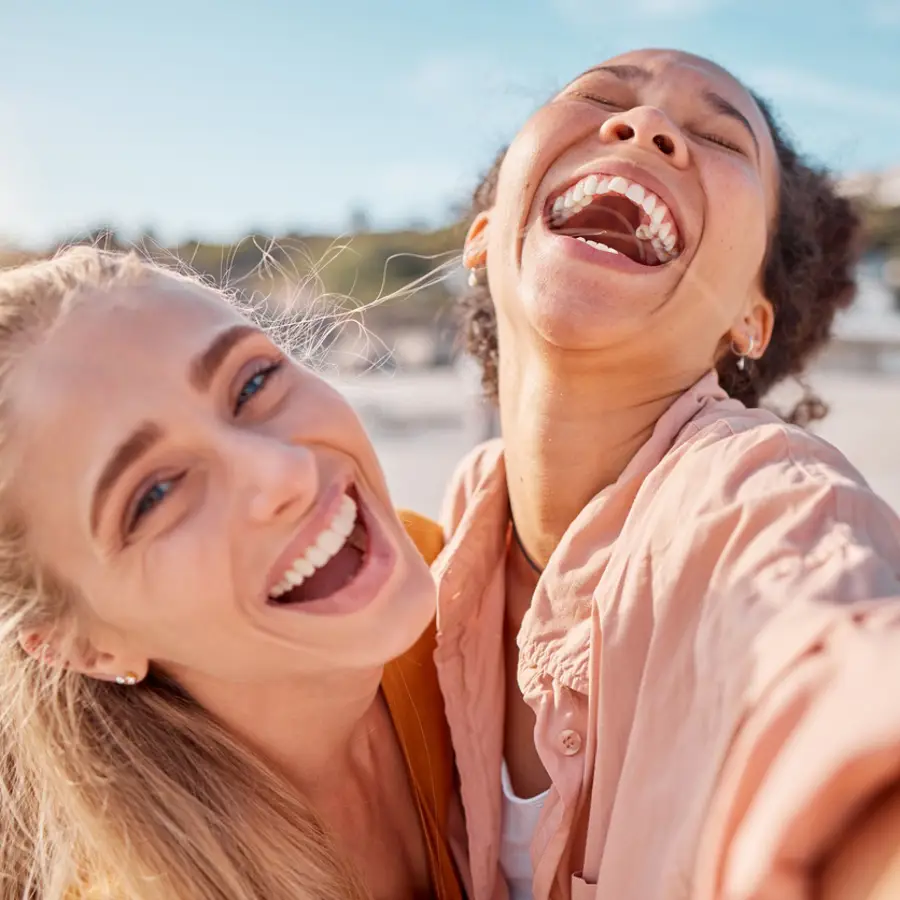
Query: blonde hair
(119, 792)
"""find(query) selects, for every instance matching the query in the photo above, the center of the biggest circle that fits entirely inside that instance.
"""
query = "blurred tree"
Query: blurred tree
(883, 228)
(360, 223)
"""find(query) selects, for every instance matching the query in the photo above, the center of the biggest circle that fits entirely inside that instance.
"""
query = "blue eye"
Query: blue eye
(254, 384)
(151, 498)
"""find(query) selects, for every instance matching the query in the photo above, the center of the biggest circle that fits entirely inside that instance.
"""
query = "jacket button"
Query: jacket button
(569, 742)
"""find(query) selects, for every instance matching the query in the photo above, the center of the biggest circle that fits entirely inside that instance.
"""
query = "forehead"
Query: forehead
(112, 357)
(685, 70)
(126, 332)
(658, 60)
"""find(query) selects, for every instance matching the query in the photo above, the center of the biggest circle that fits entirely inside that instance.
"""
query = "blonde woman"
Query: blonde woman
(202, 587)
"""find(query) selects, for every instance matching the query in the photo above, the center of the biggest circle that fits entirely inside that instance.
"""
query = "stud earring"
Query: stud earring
(477, 276)
(129, 678)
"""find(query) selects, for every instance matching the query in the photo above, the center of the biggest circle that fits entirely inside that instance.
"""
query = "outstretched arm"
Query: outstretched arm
(866, 864)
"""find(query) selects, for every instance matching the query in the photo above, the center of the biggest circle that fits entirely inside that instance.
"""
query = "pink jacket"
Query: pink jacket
(712, 654)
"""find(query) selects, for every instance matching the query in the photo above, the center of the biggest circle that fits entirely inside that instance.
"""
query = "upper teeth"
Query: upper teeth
(657, 224)
(322, 549)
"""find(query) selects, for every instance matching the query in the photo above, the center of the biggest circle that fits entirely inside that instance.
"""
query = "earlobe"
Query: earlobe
(475, 246)
(751, 335)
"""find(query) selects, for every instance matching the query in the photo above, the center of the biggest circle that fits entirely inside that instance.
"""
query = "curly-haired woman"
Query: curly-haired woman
(669, 642)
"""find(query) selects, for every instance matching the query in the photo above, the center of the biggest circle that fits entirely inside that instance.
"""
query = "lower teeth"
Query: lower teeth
(662, 254)
(598, 245)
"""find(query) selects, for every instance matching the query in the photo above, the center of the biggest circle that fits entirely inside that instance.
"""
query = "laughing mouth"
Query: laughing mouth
(617, 215)
(330, 562)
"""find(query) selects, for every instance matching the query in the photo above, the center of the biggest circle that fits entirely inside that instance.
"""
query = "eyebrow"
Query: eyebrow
(135, 446)
(723, 106)
(625, 73)
(203, 369)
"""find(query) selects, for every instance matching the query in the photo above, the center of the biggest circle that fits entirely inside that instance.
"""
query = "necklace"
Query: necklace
(521, 547)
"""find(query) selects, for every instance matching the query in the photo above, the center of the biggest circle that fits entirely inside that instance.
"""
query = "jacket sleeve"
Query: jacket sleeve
(812, 571)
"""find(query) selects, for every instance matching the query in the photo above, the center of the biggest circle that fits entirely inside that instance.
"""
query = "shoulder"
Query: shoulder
(743, 493)
(750, 455)
(755, 440)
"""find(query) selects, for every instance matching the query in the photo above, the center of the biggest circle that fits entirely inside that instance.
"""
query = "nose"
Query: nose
(275, 478)
(650, 129)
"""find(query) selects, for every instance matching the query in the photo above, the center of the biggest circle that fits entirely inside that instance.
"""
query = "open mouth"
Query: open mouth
(331, 561)
(617, 215)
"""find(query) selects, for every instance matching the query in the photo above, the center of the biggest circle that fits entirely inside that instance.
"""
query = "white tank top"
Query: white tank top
(520, 818)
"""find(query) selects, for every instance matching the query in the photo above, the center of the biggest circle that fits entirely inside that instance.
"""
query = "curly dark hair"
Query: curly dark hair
(809, 276)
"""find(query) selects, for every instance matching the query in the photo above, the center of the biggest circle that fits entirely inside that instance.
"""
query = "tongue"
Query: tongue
(334, 575)
(611, 220)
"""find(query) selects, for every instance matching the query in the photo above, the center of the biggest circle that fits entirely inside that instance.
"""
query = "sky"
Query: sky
(208, 119)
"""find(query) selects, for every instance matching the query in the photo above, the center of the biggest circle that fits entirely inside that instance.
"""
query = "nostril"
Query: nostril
(623, 132)
(665, 144)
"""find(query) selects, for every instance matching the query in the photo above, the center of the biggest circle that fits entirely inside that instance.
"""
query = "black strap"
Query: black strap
(521, 546)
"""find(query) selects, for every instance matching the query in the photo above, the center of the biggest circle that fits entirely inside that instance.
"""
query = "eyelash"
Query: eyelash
(706, 137)
(594, 98)
(266, 371)
(721, 142)
(145, 505)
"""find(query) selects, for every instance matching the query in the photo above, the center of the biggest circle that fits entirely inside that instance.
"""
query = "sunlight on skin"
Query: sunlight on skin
(867, 864)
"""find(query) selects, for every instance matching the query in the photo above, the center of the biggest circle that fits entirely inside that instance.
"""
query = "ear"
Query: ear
(80, 655)
(475, 246)
(752, 332)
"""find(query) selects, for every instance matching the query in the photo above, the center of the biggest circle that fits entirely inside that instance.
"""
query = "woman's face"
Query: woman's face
(218, 508)
(635, 208)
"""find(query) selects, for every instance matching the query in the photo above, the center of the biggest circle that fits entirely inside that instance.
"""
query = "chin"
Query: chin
(574, 309)
(412, 607)
(392, 624)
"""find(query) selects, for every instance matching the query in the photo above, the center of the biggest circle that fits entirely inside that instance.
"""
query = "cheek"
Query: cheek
(518, 173)
(529, 159)
(182, 587)
(736, 233)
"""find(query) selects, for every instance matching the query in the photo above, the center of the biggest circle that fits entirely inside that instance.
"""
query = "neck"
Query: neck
(571, 424)
(311, 728)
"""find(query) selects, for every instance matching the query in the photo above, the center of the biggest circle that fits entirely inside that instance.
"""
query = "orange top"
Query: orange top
(413, 697)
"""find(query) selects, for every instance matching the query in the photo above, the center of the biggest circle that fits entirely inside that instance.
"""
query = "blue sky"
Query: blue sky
(210, 118)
